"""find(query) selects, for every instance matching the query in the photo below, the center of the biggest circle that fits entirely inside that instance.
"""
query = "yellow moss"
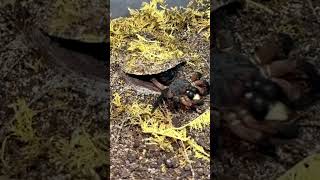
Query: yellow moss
(159, 125)
(200, 122)
(81, 154)
(198, 150)
(22, 126)
(162, 141)
(117, 106)
(117, 100)
(293, 30)
(157, 35)
(22, 130)
(163, 168)
(36, 65)
(306, 169)
(152, 51)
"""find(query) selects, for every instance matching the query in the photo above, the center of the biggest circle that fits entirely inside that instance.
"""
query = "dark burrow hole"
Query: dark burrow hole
(164, 78)
(97, 50)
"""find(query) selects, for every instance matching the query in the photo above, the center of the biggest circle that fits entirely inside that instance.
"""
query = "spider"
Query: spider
(257, 97)
(183, 94)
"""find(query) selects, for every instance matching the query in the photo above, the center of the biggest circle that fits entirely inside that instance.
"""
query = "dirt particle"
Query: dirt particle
(125, 173)
(171, 163)
(136, 143)
(187, 168)
(132, 156)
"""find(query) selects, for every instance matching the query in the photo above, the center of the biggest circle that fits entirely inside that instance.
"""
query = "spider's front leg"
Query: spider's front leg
(164, 96)
(238, 128)
(277, 47)
(158, 84)
(295, 77)
(272, 68)
(189, 103)
(272, 128)
(280, 68)
(276, 64)
(259, 132)
(186, 101)
(202, 86)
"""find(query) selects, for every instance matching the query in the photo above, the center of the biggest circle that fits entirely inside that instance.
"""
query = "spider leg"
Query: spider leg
(302, 89)
(266, 53)
(291, 91)
(277, 71)
(280, 68)
(285, 130)
(165, 94)
(158, 84)
(157, 102)
(239, 129)
(250, 122)
(186, 101)
(196, 76)
(202, 86)
(225, 41)
(278, 46)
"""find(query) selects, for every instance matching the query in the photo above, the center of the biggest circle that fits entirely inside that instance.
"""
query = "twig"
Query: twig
(260, 6)
(119, 132)
(188, 160)
(85, 114)
(3, 147)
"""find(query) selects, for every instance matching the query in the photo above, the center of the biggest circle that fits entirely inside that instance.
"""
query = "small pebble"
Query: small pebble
(170, 163)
